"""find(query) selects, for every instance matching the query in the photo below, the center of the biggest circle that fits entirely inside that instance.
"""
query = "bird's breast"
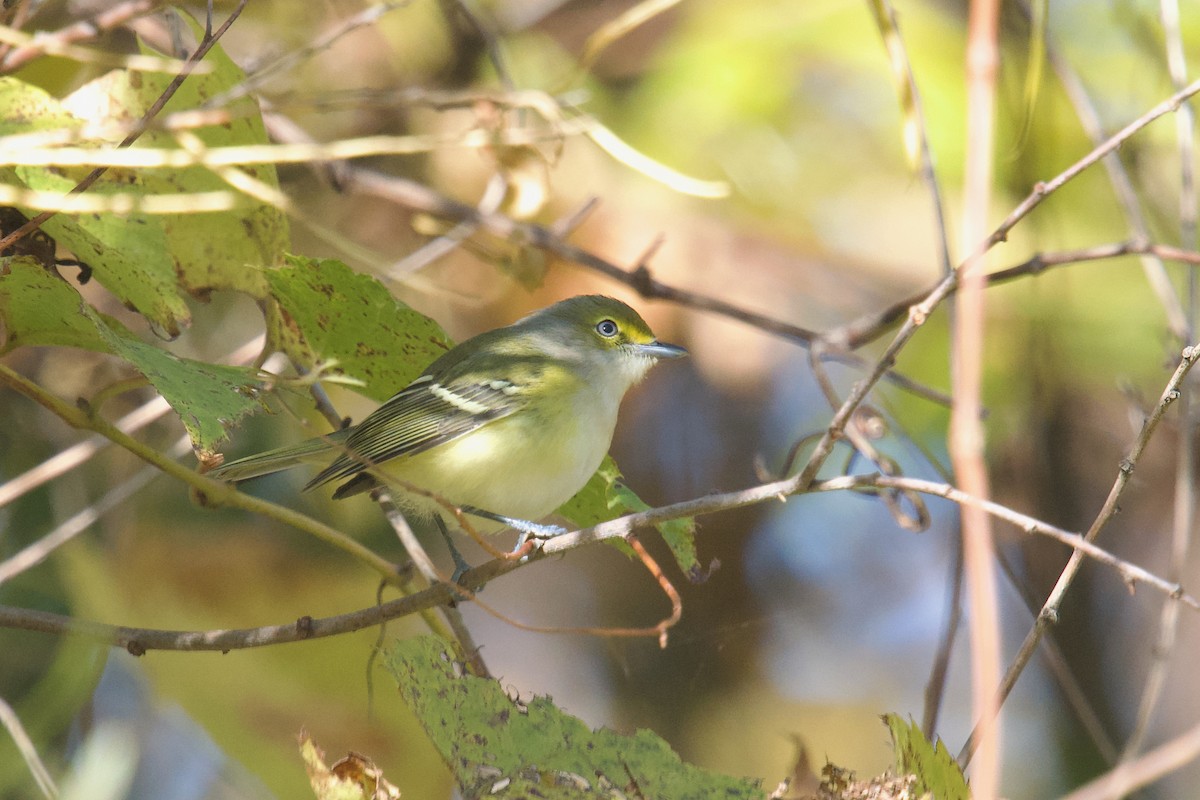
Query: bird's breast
(525, 465)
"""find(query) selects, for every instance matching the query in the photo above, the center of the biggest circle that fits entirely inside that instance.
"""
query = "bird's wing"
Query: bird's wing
(426, 413)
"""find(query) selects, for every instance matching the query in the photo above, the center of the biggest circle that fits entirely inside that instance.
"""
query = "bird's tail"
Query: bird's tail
(318, 449)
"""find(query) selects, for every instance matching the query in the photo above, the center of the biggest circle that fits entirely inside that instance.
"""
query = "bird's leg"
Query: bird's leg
(460, 563)
(525, 527)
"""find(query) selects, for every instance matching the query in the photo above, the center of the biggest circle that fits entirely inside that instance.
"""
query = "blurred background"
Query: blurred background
(823, 613)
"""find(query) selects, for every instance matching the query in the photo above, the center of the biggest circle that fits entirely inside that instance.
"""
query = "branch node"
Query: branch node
(641, 281)
(135, 648)
(304, 627)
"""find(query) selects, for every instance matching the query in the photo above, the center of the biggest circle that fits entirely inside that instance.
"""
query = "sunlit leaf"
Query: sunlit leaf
(210, 251)
(128, 255)
(937, 773)
(329, 313)
(37, 307)
(149, 261)
(353, 777)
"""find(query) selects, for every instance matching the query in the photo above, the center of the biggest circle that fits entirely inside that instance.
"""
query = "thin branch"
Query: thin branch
(613, 30)
(25, 746)
(55, 47)
(869, 327)
(82, 30)
(292, 59)
(1118, 176)
(1184, 511)
(140, 640)
(79, 453)
(1044, 189)
(214, 492)
(856, 334)
(966, 412)
(1130, 776)
(1049, 613)
(39, 550)
(1061, 670)
(457, 633)
(1128, 572)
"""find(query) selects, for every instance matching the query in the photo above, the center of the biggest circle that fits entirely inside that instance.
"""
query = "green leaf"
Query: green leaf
(127, 255)
(938, 774)
(209, 398)
(211, 250)
(39, 307)
(150, 261)
(605, 497)
(492, 742)
(328, 312)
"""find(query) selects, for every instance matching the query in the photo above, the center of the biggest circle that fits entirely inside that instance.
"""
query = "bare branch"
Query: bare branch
(80, 31)
(1049, 612)
(25, 746)
(1130, 776)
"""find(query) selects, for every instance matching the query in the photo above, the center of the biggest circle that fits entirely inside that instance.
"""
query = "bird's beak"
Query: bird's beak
(661, 350)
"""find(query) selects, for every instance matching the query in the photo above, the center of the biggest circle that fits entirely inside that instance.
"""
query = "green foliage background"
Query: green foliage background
(794, 105)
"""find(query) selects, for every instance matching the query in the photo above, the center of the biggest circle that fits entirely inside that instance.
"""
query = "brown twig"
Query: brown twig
(1184, 511)
(871, 326)
(1122, 184)
(966, 413)
(140, 640)
(1130, 776)
(1049, 612)
(1060, 668)
(79, 31)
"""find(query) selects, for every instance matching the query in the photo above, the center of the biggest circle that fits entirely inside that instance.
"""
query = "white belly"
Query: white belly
(523, 466)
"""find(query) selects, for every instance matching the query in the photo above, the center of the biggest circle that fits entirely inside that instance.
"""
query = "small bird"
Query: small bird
(507, 425)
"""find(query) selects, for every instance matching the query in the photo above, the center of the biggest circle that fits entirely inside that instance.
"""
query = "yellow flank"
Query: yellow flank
(505, 466)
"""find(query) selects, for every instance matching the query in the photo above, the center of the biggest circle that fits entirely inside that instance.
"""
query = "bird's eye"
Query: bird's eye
(606, 328)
